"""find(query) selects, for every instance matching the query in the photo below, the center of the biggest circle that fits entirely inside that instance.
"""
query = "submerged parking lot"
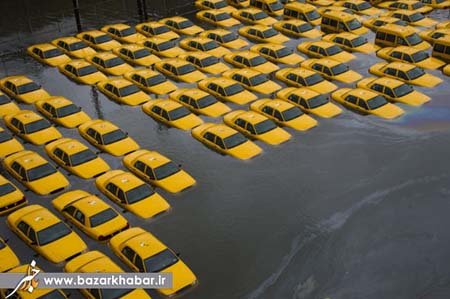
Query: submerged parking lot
(354, 208)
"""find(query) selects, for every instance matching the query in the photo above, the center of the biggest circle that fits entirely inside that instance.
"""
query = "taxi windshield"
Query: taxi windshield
(113, 136)
(359, 41)
(166, 45)
(185, 24)
(414, 39)
(210, 45)
(420, 55)
(209, 61)
(6, 189)
(77, 46)
(276, 6)
(264, 126)
(27, 87)
(114, 62)
(364, 6)
(166, 170)
(128, 90)
(354, 24)
(206, 101)
(339, 69)
(102, 217)
(313, 79)
(178, 113)
(160, 30)
(4, 136)
(158, 79)
(139, 193)
(269, 32)
(229, 37)
(257, 60)
(415, 73)
(35, 126)
(283, 52)
(416, 17)
(258, 79)
(40, 172)
(222, 16)
(52, 233)
(292, 113)
(67, 110)
(233, 89)
(185, 69)
(86, 70)
(403, 89)
(234, 140)
(102, 39)
(318, 101)
(333, 50)
(305, 27)
(260, 15)
(160, 261)
(127, 31)
(312, 15)
(52, 53)
(82, 157)
(141, 53)
(376, 102)
(4, 99)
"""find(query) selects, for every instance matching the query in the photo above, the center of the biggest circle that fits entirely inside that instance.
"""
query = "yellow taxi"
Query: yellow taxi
(157, 29)
(199, 102)
(410, 55)
(23, 89)
(250, 59)
(411, 17)
(360, 7)
(35, 172)
(239, 3)
(351, 42)
(442, 25)
(62, 112)
(325, 9)
(323, 3)
(31, 127)
(82, 72)
(256, 126)
(96, 262)
(74, 47)
(110, 64)
(432, 35)
(123, 91)
(226, 141)
(123, 33)
(98, 40)
(11, 198)
(162, 47)
(302, 11)
(132, 194)
(310, 101)
(263, 34)
(77, 158)
(405, 72)
(338, 21)
(394, 90)
(6, 105)
(158, 170)
(301, 77)
(272, 7)
(217, 17)
(297, 28)
(180, 70)
(225, 38)
(437, 4)
(151, 81)
(392, 35)
(181, 25)
(45, 233)
(446, 70)
(278, 53)
(107, 137)
(136, 55)
(143, 252)
(253, 80)
(284, 114)
(206, 63)
(7, 256)
(376, 22)
(227, 90)
(407, 5)
(325, 49)
(48, 54)
(38, 293)
(332, 69)
(8, 144)
(367, 102)
(253, 16)
(204, 44)
(90, 214)
(441, 49)
(172, 114)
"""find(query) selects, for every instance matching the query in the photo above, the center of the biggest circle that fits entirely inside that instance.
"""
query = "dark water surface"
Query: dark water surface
(355, 208)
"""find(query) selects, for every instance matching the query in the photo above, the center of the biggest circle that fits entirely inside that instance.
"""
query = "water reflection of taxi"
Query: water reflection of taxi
(284, 114)
(48, 54)
(131, 193)
(96, 262)
(171, 113)
(405, 72)
(107, 137)
(332, 69)
(90, 214)
(256, 126)
(136, 244)
(367, 102)
(33, 171)
(62, 111)
(226, 38)
(199, 101)
(75, 157)
(310, 101)
(45, 233)
(394, 90)
(158, 170)
(301, 77)
(410, 55)
(226, 141)
(23, 89)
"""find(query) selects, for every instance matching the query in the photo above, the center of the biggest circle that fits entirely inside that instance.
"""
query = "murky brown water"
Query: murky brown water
(355, 208)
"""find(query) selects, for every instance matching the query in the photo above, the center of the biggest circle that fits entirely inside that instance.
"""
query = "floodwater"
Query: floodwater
(355, 208)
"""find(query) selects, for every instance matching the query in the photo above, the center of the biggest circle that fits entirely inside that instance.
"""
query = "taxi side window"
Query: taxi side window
(250, 128)
(157, 110)
(240, 122)
(252, 31)
(362, 104)
(32, 235)
(98, 138)
(327, 70)
(389, 91)
(381, 35)
(109, 87)
(390, 71)
(278, 115)
(16, 167)
(116, 91)
(313, 48)
(121, 196)
(65, 159)
(149, 172)
(69, 210)
(22, 173)
(303, 103)
(91, 132)
(138, 262)
(397, 54)
(238, 59)
(246, 81)
(165, 114)
(184, 99)
(439, 48)
(23, 227)
(111, 188)
(325, 21)
(237, 77)
(339, 40)
(212, 86)
(390, 38)
(377, 87)
(401, 41)
(209, 136)
(265, 51)
(292, 77)
(317, 67)
(246, 62)
(220, 143)
(221, 91)
(407, 58)
(128, 253)
(58, 153)
(79, 216)
(351, 99)
(140, 166)
(333, 23)
(403, 75)
(267, 110)
(322, 52)
(15, 122)
(348, 43)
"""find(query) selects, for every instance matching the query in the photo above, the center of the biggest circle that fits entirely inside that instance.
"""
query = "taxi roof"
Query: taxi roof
(166, 104)
(346, 35)
(93, 33)
(270, 46)
(101, 264)
(175, 19)
(57, 101)
(218, 31)
(145, 244)
(103, 126)
(326, 61)
(362, 93)
(176, 62)
(405, 49)
(126, 181)
(246, 72)
(118, 26)
(27, 116)
(78, 63)
(400, 66)
(146, 73)
(40, 218)
(403, 11)
(156, 40)
(295, 22)
(251, 117)
(71, 146)
(213, 11)
(405, 30)
(131, 47)
(119, 82)
(353, 1)
(153, 24)
(104, 55)
(196, 54)
(250, 10)
(300, 6)
(304, 92)
(90, 205)
(300, 71)
(386, 81)
(320, 43)
(259, 27)
(28, 159)
(339, 14)
(44, 46)
(279, 105)
(152, 158)
(18, 80)
(221, 130)
(194, 93)
(221, 81)
(68, 39)
(245, 54)
(199, 39)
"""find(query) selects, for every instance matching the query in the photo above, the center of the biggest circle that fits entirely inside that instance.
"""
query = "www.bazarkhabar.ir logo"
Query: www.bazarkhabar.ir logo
(28, 282)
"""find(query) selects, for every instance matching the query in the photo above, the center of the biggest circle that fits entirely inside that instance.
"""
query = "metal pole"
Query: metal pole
(76, 11)
(139, 7)
(144, 8)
